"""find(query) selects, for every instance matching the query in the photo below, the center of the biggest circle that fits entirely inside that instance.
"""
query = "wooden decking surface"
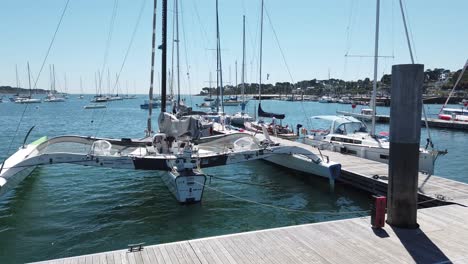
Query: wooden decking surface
(441, 238)
(359, 173)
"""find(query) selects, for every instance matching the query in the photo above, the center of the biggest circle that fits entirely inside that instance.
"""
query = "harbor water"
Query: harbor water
(66, 210)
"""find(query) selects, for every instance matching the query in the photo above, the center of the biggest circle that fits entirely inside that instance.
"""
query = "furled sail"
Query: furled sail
(185, 126)
(262, 113)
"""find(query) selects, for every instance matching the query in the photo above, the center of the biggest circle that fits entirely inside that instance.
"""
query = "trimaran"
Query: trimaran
(178, 149)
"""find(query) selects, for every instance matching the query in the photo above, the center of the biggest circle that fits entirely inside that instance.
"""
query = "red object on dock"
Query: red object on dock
(378, 211)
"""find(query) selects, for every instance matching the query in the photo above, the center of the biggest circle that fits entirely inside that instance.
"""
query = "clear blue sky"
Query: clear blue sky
(314, 36)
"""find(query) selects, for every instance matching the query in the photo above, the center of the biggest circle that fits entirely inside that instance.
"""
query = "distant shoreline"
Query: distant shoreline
(16, 90)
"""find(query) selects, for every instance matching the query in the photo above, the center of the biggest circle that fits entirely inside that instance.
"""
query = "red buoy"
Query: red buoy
(353, 106)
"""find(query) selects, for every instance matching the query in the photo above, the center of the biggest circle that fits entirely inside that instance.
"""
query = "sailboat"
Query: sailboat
(348, 135)
(178, 149)
(239, 118)
(273, 128)
(455, 114)
(28, 99)
(98, 100)
(81, 96)
(52, 97)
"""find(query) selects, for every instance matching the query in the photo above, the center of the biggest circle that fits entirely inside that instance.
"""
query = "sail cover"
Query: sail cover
(185, 126)
(266, 114)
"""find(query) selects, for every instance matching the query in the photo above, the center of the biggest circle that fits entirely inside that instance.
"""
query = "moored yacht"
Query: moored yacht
(348, 135)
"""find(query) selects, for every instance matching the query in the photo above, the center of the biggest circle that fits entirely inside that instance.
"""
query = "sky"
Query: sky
(302, 40)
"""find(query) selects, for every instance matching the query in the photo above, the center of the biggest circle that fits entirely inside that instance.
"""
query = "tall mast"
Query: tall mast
(220, 67)
(217, 62)
(53, 77)
(171, 71)
(150, 95)
(376, 61)
(29, 78)
(243, 60)
(177, 44)
(236, 76)
(261, 46)
(17, 79)
(210, 85)
(50, 79)
(164, 56)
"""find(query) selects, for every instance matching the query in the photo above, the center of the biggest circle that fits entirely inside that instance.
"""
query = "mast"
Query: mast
(81, 86)
(260, 67)
(219, 64)
(236, 78)
(243, 62)
(177, 45)
(210, 86)
(164, 56)
(17, 79)
(29, 78)
(53, 77)
(376, 61)
(150, 95)
(50, 79)
(455, 85)
(412, 61)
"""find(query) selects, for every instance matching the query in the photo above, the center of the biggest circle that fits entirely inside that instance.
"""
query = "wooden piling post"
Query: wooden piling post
(405, 133)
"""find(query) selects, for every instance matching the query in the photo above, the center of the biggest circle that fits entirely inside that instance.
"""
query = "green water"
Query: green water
(67, 210)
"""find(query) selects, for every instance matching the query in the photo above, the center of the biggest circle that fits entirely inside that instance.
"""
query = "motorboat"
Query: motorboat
(348, 135)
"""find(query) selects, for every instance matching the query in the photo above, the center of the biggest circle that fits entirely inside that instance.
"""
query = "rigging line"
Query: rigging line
(413, 46)
(402, 7)
(109, 38)
(130, 44)
(135, 29)
(286, 64)
(186, 53)
(242, 182)
(51, 42)
(279, 46)
(284, 208)
(39, 74)
(348, 29)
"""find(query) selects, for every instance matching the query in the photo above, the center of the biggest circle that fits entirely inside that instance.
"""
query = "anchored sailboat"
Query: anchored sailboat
(348, 135)
(273, 128)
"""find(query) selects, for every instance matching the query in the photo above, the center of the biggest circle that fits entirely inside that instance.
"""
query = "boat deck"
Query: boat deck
(432, 122)
(441, 238)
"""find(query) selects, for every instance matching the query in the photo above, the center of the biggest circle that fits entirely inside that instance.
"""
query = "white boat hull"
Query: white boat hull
(186, 188)
(426, 159)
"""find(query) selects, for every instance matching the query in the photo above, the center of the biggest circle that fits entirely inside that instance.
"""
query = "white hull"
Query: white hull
(304, 164)
(426, 159)
(185, 188)
(95, 106)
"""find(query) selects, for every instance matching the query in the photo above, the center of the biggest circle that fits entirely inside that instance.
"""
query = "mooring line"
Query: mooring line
(284, 208)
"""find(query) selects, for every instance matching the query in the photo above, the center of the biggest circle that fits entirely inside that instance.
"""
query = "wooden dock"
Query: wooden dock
(441, 238)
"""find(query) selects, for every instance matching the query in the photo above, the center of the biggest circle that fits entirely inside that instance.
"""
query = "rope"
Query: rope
(37, 78)
(284, 208)
(186, 55)
(242, 182)
(130, 44)
(51, 43)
